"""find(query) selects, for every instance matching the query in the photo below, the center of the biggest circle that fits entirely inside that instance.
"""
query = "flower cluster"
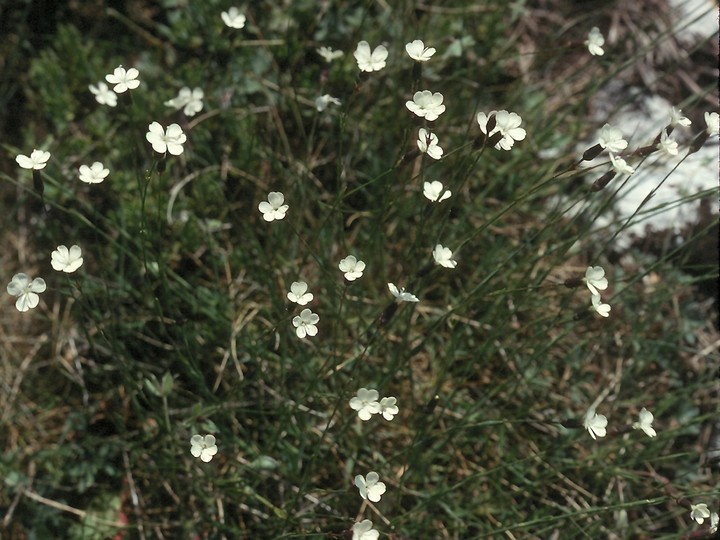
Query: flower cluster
(506, 124)
(366, 404)
(596, 424)
(596, 281)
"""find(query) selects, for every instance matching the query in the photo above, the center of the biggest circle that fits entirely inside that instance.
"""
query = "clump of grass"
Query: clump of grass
(178, 322)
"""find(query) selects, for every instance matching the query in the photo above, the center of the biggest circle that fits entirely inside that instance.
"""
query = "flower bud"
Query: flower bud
(603, 181)
(592, 152)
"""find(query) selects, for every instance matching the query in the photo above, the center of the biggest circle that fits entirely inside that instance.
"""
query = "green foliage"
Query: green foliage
(178, 321)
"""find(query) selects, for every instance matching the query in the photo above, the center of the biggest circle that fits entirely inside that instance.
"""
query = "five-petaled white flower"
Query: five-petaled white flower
(190, 101)
(597, 305)
(26, 291)
(37, 160)
(233, 18)
(426, 105)
(611, 138)
(322, 102)
(352, 267)
(595, 279)
(645, 423)
(434, 191)
(388, 407)
(66, 260)
(443, 256)
(203, 447)
(401, 295)
(595, 41)
(699, 512)
(418, 51)
(368, 61)
(366, 403)
(298, 293)
(305, 323)
(620, 165)
(677, 119)
(506, 123)
(328, 54)
(123, 80)
(428, 144)
(370, 487)
(363, 531)
(596, 424)
(166, 140)
(94, 174)
(712, 120)
(667, 144)
(103, 94)
(273, 208)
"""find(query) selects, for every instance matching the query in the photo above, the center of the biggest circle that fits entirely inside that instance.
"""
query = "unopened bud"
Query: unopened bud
(645, 150)
(573, 282)
(592, 152)
(603, 181)
(698, 142)
(496, 138)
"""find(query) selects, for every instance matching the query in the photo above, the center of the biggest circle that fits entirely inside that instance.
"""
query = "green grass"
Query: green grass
(493, 369)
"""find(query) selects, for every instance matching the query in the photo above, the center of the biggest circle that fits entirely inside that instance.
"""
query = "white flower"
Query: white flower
(677, 119)
(305, 323)
(233, 18)
(322, 102)
(364, 531)
(274, 208)
(190, 101)
(298, 293)
(37, 160)
(366, 403)
(595, 279)
(602, 309)
(66, 260)
(369, 486)
(426, 105)
(433, 191)
(388, 407)
(712, 119)
(26, 291)
(645, 423)
(352, 267)
(329, 54)
(94, 174)
(595, 423)
(595, 41)
(612, 139)
(203, 447)
(714, 521)
(367, 61)
(443, 256)
(103, 94)
(667, 144)
(401, 295)
(699, 512)
(170, 140)
(428, 144)
(620, 165)
(507, 123)
(417, 51)
(123, 80)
